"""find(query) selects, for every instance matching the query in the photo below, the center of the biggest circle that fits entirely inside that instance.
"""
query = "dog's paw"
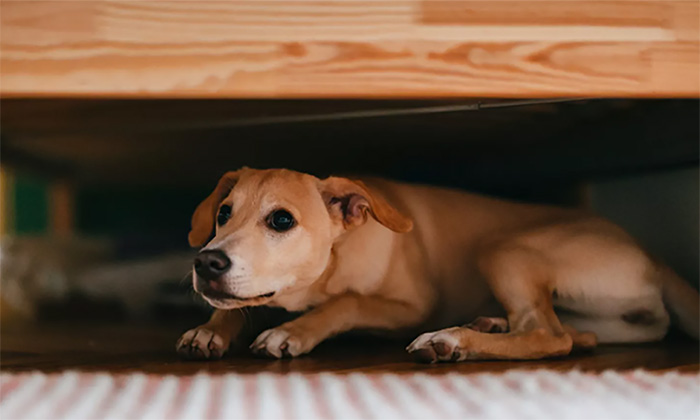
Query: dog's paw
(488, 325)
(281, 342)
(201, 344)
(439, 346)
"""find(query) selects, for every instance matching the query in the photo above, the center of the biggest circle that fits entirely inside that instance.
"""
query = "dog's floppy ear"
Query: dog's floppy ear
(353, 201)
(205, 213)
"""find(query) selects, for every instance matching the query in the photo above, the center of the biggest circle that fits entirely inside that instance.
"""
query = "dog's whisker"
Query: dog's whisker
(187, 277)
(246, 319)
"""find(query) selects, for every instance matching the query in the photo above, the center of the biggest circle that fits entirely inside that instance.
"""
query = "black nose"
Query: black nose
(210, 265)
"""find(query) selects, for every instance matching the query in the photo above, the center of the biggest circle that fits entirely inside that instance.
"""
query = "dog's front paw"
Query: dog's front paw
(439, 346)
(281, 342)
(201, 344)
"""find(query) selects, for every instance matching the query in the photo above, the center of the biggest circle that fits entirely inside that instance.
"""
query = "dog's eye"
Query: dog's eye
(280, 220)
(224, 215)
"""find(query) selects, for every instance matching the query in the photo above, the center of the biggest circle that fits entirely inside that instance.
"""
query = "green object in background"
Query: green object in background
(102, 210)
(31, 205)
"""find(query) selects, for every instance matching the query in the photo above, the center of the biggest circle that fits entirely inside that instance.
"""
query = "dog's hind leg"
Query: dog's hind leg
(519, 278)
(488, 324)
(497, 325)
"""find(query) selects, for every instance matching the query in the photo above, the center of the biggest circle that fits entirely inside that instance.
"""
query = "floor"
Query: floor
(126, 348)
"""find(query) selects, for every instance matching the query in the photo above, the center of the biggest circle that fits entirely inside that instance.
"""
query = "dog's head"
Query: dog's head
(273, 232)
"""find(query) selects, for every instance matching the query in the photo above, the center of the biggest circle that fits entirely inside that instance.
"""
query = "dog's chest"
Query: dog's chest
(362, 261)
(363, 279)
(349, 276)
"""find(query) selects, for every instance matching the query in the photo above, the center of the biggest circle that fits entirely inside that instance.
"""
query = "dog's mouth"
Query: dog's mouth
(218, 295)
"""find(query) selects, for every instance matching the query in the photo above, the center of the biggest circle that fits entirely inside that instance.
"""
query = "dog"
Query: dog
(378, 255)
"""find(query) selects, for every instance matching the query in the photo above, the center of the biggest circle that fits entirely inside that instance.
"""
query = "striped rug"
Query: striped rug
(513, 395)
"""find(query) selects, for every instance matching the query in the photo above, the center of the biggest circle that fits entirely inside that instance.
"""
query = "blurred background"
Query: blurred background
(97, 194)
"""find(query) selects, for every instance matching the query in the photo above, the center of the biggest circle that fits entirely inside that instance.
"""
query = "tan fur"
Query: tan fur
(391, 256)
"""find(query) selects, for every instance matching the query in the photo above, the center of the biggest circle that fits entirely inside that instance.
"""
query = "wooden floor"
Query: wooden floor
(123, 348)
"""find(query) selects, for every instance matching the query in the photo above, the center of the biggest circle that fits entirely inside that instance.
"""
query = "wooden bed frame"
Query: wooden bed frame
(350, 49)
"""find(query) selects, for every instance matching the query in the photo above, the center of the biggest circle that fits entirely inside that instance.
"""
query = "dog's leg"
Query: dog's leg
(488, 324)
(342, 313)
(211, 340)
(519, 280)
(495, 325)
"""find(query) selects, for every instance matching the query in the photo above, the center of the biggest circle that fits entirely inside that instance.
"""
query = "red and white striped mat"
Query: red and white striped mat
(516, 394)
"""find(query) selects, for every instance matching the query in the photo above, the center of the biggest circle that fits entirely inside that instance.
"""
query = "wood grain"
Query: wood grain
(400, 48)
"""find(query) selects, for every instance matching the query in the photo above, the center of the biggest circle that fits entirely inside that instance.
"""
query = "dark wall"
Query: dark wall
(661, 210)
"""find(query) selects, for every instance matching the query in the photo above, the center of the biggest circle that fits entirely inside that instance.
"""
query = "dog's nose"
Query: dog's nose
(210, 265)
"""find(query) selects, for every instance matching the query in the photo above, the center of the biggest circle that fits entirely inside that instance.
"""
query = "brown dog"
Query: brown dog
(391, 256)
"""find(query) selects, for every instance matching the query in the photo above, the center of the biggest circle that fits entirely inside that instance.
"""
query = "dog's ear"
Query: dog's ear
(205, 213)
(352, 201)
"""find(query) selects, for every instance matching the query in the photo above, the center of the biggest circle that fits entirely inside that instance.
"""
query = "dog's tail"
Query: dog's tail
(683, 301)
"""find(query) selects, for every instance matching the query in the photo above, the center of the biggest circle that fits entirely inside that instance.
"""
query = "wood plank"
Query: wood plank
(401, 48)
(150, 348)
(561, 13)
(7, 201)
(61, 207)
